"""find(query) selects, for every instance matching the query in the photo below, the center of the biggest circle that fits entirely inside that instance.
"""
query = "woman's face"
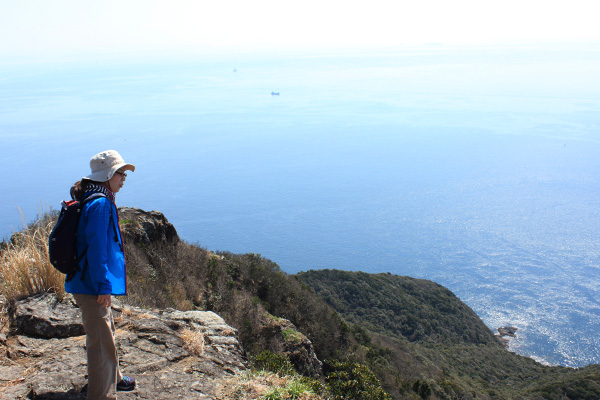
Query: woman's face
(116, 182)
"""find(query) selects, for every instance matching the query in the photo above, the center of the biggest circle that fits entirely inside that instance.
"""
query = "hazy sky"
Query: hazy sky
(59, 27)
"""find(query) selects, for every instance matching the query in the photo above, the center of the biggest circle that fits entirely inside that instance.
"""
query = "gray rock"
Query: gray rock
(45, 316)
(507, 331)
(505, 334)
(146, 226)
(157, 348)
(281, 336)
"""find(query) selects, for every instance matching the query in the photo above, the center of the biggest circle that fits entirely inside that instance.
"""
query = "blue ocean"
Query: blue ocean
(477, 168)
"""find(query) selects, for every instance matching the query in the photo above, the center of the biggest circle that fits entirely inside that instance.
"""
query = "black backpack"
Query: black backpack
(62, 243)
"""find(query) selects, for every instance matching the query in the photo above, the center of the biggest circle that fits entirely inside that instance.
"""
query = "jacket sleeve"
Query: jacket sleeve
(97, 236)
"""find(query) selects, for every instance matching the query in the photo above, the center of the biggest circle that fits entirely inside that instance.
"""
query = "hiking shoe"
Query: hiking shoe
(127, 384)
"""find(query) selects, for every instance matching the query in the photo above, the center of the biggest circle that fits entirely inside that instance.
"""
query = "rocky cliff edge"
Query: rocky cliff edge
(172, 354)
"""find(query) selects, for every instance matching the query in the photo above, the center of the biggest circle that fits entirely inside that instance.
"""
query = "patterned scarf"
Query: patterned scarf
(92, 187)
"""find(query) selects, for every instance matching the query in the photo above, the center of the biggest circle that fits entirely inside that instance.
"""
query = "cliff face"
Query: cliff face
(145, 227)
(172, 354)
(416, 336)
(166, 272)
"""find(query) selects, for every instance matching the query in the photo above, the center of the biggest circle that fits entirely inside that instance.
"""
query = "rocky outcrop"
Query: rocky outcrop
(144, 227)
(172, 354)
(45, 316)
(505, 333)
(281, 336)
(151, 230)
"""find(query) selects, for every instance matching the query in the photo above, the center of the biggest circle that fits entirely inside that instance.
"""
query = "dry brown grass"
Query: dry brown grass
(25, 267)
(3, 315)
(193, 341)
(135, 314)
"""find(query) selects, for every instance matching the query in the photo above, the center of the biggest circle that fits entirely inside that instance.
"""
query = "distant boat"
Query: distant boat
(274, 93)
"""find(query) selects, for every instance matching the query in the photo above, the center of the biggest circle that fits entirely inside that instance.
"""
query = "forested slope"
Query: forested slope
(418, 335)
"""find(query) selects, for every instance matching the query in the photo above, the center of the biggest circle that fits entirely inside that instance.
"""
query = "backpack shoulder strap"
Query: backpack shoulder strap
(114, 225)
(91, 197)
(112, 220)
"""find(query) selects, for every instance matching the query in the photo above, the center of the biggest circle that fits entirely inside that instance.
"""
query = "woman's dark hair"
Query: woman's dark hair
(79, 188)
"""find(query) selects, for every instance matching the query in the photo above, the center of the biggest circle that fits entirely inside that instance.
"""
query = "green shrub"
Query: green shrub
(272, 362)
(349, 380)
(273, 394)
(296, 388)
(291, 335)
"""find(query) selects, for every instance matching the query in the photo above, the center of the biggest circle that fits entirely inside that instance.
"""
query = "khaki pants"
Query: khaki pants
(103, 360)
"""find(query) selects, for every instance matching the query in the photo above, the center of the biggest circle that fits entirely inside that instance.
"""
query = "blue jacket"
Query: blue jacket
(98, 231)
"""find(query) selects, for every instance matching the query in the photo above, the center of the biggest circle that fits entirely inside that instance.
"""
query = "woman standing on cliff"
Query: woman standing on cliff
(102, 272)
